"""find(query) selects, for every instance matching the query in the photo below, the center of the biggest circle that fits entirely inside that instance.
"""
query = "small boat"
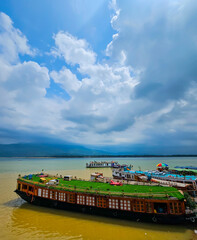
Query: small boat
(115, 183)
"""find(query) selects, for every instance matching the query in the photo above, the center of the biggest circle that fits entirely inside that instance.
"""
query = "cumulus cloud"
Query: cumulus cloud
(101, 97)
(23, 85)
(12, 41)
(73, 50)
(97, 100)
(67, 80)
(159, 39)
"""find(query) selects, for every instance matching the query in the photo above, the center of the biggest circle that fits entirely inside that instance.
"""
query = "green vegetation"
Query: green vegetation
(107, 189)
(189, 202)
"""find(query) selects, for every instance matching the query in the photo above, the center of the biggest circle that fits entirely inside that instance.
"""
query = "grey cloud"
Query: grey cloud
(159, 37)
(86, 119)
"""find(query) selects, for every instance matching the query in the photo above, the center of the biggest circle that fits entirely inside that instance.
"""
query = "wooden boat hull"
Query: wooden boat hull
(140, 217)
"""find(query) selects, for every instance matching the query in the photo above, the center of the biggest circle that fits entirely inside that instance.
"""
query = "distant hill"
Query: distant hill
(45, 150)
(72, 150)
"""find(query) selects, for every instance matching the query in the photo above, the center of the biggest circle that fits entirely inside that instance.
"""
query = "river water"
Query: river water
(20, 220)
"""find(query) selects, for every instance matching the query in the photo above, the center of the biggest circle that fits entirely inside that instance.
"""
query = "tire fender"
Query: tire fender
(154, 219)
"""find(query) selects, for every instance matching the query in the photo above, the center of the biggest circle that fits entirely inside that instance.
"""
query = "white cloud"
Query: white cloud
(109, 48)
(97, 99)
(23, 102)
(22, 94)
(67, 80)
(27, 80)
(73, 50)
(12, 41)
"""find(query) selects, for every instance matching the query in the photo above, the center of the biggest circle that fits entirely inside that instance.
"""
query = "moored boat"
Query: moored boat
(104, 164)
(144, 203)
(184, 182)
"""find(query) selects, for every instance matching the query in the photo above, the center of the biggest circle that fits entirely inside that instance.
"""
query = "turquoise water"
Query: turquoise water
(19, 165)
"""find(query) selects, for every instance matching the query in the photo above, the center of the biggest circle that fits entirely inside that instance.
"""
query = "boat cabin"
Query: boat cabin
(68, 178)
(95, 176)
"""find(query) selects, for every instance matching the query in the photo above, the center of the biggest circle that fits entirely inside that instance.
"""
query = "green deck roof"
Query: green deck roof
(184, 170)
(143, 191)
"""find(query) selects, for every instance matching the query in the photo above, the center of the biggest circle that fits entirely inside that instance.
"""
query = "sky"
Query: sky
(99, 73)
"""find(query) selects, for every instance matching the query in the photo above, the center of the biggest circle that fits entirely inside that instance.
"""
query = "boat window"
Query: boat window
(90, 201)
(62, 196)
(149, 207)
(24, 187)
(125, 205)
(160, 208)
(30, 188)
(71, 197)
(45, 193)
(113, 203)
(138, 206)
(80, 199)
(19, 186)
(175, 207)
(39, 192)
(53, 194)
(101, 202)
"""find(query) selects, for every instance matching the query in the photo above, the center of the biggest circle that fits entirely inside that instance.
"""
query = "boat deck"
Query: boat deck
(157, 192)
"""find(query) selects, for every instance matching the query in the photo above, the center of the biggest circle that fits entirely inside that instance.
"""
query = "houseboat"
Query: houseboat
(143, 203)
(186, 182)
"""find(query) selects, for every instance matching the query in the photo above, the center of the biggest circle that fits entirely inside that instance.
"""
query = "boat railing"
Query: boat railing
(176, 179)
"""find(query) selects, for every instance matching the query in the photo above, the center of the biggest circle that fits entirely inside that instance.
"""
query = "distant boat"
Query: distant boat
(102, 164)
(105, 164)
(186, 167)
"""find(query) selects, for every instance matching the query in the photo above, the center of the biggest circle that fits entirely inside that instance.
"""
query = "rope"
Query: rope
(32, 199)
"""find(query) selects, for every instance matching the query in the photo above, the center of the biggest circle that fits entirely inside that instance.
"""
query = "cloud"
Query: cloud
(98, 98)
(66, 79)
(22, 95)
(144, 92)
(73, 50)
(23, 85)
(27, 81)
(12, 41)
(101, 97)
(159, 38)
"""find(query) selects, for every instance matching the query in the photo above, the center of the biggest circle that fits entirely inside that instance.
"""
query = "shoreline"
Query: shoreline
(101, 156)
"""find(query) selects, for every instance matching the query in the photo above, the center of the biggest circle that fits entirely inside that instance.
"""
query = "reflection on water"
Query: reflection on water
(20, 220)
(47, 223)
